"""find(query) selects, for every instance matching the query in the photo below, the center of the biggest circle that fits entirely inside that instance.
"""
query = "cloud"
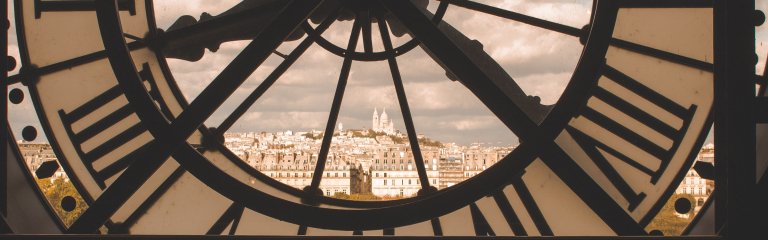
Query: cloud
(539, 60)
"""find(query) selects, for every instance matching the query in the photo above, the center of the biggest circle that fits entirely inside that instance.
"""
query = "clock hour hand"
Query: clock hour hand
(188, 37)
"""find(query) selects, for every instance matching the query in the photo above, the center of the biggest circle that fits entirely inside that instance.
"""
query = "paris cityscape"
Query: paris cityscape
(376, 163)
(376, 160)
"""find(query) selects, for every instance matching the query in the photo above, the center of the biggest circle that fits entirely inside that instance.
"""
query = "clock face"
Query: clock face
(601, 161)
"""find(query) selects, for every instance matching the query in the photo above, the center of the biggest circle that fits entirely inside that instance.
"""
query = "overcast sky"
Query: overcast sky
(540, 61)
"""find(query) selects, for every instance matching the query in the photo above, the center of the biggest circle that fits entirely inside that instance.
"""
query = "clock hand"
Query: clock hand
(188, 38)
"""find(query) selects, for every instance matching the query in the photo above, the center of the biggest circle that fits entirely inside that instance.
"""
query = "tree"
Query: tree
(397, 139)
(668, 221)
(58, 189)
(356, 196)
(429, 142)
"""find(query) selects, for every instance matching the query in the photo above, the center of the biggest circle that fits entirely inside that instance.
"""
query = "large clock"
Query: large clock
(601, 161)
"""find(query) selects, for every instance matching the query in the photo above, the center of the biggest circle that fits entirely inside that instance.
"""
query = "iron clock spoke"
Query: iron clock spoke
(519, 17)
(28, 74)
(273, 77)
(666, 4)
(335, 107)
(404, 107)
(506, 107)
(575, 32)
(367, 41)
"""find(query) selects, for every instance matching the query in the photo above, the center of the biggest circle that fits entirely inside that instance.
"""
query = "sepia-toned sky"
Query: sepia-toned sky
(540, 61)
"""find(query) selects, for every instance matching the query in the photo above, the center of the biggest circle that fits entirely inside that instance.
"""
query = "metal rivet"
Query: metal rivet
(682, 205)
(11, 61)
(16, 96)
(29, 133)
(68, 203)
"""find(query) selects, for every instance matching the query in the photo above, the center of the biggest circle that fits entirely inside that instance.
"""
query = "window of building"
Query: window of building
(344, 174)
(385, 174)
(385, 182)
(700, 202)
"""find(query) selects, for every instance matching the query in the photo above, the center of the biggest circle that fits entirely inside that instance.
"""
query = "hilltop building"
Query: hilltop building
(382, 123)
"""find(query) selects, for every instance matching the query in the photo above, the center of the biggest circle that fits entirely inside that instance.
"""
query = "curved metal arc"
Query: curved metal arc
(584, 79)
(433, 205)
(232, 188)
(383, 217)
(373, 56)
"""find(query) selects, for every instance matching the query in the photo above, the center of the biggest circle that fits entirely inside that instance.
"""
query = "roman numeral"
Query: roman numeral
(77, 5)
(232, 216)
(96, 127)
(482, 228)
(153, 90)
(515, 219)
(154, 197)
(596, 146)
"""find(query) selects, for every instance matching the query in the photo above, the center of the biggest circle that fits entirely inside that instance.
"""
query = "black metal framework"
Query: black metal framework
(4, 228)
(735, 178)
(171, 133)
